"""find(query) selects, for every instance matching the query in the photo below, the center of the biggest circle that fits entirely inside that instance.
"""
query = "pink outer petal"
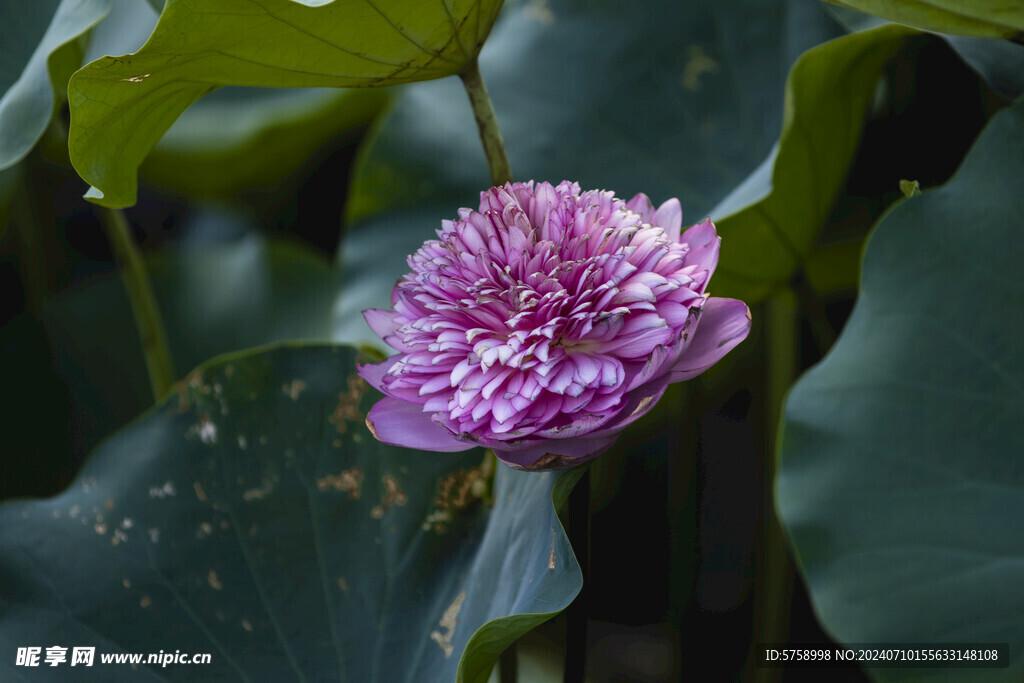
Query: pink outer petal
(704, 246)
(384, 326)
(555, 454)
(670, 217)
(700, 235)
(723, 324)
(639, 403)
(661, 359)
(374, 374)
(401, 423)
(642, 205)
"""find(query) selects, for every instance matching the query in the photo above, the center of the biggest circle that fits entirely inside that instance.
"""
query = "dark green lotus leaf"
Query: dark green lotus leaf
(999, 62)
(677, 101)
(41, 48)
(240, 138)
(214, 298)
(901, 481)
(253, 517)
(122, 105)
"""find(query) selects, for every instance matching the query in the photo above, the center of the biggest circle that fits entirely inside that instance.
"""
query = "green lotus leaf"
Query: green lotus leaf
(900, 480)
(41, 48)
(253, 517)
(122, 105)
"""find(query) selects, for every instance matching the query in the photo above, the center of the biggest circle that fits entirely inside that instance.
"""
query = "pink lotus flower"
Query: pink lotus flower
(543, 324)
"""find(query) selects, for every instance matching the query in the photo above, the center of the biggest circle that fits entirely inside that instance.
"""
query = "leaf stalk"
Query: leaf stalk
(487, 124)
(143, 302)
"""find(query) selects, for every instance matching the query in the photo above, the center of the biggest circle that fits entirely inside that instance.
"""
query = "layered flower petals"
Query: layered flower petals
(723, 324)
(401, 423)
(547, 321)
(384, 326)
(555, 455)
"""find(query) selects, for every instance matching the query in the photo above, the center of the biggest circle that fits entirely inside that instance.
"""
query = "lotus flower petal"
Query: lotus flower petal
(383, 324)
(555, 455)
(723, 324)
(544, 323)
(401, 423)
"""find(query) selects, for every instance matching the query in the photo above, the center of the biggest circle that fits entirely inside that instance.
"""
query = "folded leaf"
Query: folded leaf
(40, 50)
(121, 106)
(253, 517)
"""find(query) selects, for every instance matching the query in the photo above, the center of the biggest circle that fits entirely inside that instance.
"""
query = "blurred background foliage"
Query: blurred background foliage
(277, 214)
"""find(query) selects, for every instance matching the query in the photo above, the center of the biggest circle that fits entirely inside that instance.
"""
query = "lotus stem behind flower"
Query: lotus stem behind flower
(545, 323)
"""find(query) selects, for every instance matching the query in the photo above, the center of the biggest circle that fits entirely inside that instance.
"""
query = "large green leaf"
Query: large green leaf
(999, 62)
(980, 18)
(242, 138)
(901, 480)
(681, 100)
(40, 50)
(235, 138)
(828, 94)
(253, 517)
(121, 106)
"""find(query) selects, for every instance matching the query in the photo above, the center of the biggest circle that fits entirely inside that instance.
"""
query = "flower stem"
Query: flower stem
(140, 294)
(814, 312)
(487, 124)
(508, 665)
(774, 586)
(578, 612)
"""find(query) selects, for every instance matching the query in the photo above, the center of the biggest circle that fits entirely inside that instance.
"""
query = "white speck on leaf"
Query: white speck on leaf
(698, 64)
(208, 432)
(551, 558)
(448, 623)
(260, 492)
(294, 389)
(164, 491)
